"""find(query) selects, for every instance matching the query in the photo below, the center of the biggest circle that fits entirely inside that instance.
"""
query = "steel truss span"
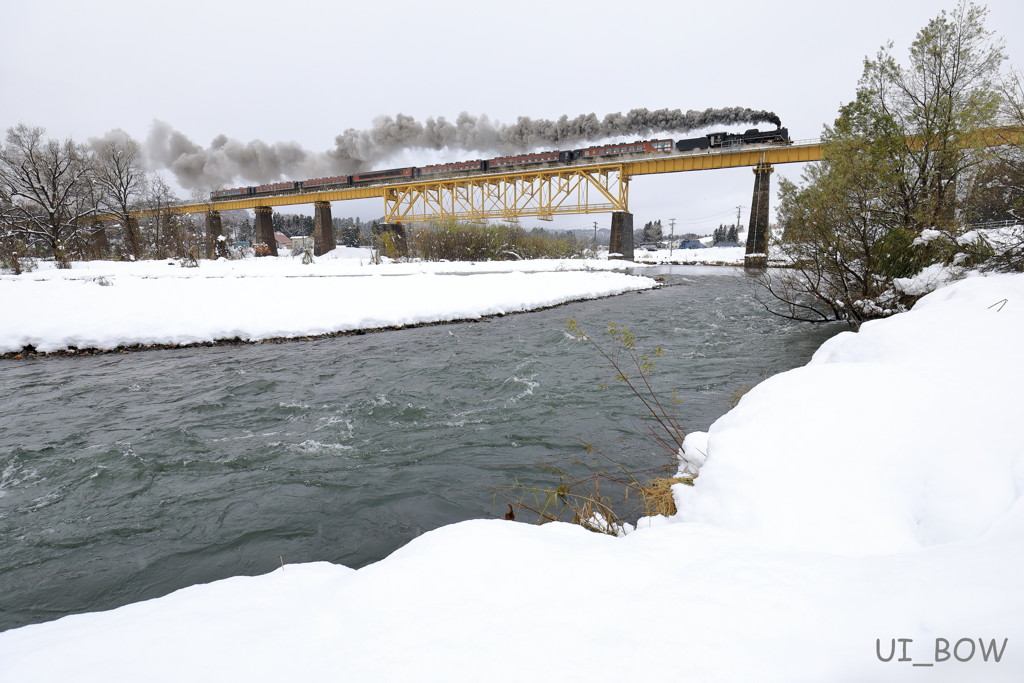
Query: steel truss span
(548, 192)
(543, 192)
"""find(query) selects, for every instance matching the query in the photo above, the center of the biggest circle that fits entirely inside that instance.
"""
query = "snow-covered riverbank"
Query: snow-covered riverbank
(860, 518)
(106, 305)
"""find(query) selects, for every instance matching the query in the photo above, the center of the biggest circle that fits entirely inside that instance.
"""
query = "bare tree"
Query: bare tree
(162, 225)
(121, 181)
(44, 180)
(89, 236)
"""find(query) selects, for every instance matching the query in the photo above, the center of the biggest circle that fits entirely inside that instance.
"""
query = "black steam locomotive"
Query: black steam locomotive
(751, 137)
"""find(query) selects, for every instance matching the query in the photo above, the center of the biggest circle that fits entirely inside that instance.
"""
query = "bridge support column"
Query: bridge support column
(265, 228)
(391, 240)
(323, 229)
(620, 245)
(757, 232)
(213, 231)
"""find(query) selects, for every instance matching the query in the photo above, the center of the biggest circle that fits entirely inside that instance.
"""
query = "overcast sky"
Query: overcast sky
(304, 71)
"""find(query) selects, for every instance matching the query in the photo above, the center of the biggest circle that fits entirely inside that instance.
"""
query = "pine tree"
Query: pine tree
(652, 231)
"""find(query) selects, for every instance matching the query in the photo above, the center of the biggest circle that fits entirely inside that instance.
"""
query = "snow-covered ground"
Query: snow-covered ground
(857, 519)
(723, 256)
(105, 304)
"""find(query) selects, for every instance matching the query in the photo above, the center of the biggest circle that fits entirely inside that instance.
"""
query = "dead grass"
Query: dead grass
(657, 495)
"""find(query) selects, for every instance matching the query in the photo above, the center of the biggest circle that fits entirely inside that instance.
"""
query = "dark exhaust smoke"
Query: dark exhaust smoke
(226, 161)
(468, 132)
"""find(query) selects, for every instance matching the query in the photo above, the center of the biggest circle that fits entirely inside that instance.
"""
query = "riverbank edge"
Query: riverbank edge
(30, 353)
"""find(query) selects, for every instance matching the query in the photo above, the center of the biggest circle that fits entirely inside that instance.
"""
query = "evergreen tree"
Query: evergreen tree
(652, 231)
(350, 236)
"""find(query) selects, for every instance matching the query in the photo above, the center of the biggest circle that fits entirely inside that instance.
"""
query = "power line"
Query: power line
(705, 218)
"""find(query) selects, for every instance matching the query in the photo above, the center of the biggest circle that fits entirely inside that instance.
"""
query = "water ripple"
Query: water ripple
(125, 477)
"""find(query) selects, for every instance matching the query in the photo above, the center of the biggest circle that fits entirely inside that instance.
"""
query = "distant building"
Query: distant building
(692, 244)
(283, 240)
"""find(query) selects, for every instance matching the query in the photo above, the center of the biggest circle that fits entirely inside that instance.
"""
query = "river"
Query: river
(125, 477)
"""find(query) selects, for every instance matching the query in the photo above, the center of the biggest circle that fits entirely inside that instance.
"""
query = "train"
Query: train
(727, 140)
(779, 136)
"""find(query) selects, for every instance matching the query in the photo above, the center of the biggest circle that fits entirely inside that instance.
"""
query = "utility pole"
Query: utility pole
(595, 239)
(672, 236)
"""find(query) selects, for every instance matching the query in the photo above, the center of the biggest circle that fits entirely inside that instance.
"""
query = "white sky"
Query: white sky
(306, 70)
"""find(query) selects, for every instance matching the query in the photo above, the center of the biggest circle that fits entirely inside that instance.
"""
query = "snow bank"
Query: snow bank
(897, 437)
(871, 496)
(104, 305)
(711, 255)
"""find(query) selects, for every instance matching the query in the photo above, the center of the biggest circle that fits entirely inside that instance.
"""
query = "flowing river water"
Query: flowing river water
(125, 477)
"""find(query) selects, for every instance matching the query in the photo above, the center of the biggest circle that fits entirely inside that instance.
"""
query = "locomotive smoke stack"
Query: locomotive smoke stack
(226, 161)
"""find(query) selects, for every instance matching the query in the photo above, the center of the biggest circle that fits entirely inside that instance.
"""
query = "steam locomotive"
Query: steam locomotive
(753, 136)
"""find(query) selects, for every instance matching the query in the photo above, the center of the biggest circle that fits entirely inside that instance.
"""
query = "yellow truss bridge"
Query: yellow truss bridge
(544, 192)
(557, 189)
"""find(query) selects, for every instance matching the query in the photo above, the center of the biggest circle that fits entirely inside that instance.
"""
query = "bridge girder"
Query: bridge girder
(728, 158)
(541, 192)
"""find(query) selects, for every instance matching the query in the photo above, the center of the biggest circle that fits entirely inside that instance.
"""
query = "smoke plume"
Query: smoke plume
(116, 137)
(226, 161)
(468, 132)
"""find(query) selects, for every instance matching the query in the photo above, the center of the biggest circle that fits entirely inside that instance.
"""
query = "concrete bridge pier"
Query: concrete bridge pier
(265, 228)
(213, 231)
(323, 229)
(757, 232)
(620, 245)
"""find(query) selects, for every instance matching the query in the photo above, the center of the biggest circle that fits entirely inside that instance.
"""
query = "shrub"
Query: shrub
(455, 241)
(14, 257)
(191, 258)
(608, 492)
